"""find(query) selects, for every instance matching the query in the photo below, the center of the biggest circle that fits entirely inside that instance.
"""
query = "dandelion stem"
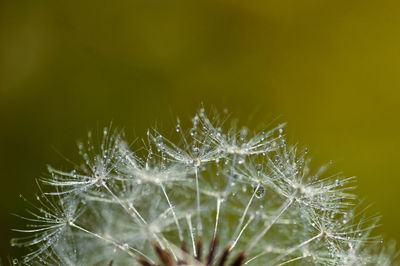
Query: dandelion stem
(280, 211)
(124, 248)
(228, 186)
(217, 217)
(199, 224)
(241, 232)
(136, 213)
(291, 250)
(291, 260)
(173, 212)
(189, 221)
(242, 219)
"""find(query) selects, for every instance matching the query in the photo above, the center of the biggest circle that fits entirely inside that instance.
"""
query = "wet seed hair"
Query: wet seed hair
(218, 194)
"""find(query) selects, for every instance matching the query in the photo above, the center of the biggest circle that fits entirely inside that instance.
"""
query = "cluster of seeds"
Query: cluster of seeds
(218, 196)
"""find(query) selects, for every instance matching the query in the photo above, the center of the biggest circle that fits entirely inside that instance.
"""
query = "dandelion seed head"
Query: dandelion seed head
(219, 195)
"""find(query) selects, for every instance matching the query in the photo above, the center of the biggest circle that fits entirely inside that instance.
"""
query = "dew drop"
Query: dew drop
(263, 136)
(195, 149)
(260, 192)
(196, 162)
(159, 140)
(243, 133)
(15, 261)
(259, 168)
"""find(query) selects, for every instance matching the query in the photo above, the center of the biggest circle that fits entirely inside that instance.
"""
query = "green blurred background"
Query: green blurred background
(328, 68)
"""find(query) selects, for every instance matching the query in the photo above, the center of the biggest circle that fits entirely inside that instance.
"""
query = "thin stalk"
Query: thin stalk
(173, 212)
(238, 228)
(217, 217)
(136, 213)
(291, 250)
(199, 224)
(291, 260)
(228, 186)
(124, 248)
(241, 232)
(281, 210)
(189, 222)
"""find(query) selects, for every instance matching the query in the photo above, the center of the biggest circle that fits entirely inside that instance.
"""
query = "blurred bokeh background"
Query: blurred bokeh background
(328, 68)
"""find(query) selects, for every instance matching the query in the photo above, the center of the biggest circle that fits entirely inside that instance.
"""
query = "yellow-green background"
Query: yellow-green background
(328, 68)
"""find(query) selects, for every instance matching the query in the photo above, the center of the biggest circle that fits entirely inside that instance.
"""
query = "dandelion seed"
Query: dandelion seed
(219, 196)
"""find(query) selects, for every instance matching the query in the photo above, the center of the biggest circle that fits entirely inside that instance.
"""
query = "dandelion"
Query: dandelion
(221, 195)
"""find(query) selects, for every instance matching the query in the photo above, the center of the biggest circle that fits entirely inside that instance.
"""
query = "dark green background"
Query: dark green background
(328, 68)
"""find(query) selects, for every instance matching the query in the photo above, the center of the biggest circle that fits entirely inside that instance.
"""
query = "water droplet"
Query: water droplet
(125, 246)
(260, 192)
(263, 136)
(283, 143)
(243, 133)
(193, 132)
(196, 162)
(15, 261)
(178, 128)
(159, 140)
(259, 168)
(195, 149)
(280, 130)
(277, 158)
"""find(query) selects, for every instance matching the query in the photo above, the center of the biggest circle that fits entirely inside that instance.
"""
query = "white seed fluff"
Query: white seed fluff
(217, 196)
